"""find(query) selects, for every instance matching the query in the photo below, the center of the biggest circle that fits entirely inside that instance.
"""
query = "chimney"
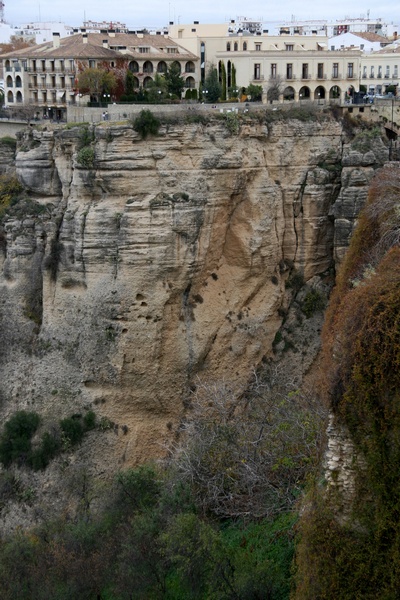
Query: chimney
(84, 38)
(56, 40)
(105, 43)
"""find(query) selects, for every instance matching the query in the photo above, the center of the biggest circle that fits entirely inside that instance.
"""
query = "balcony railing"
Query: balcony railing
(321, 76)
(290, 77)
(49, 86)
(336, 76)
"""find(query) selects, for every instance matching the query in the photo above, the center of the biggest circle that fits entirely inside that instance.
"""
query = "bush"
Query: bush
(72, 430)
(15, 442)
(10, 192)
(146, 124)
(49, 448)
(85, 157)
(89, 420)
(312, 303)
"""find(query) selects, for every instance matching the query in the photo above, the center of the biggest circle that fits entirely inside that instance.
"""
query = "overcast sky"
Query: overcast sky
(158, 12)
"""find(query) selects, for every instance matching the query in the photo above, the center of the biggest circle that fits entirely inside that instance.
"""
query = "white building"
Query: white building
(365, 41)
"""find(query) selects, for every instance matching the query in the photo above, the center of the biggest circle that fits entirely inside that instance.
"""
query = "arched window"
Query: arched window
(134, 66)
(19, 97)
(9, 81)
(148, 67)
(235, 47)
(10, 97)
(189, 67)
(245, 46)
(147, 81)
(190, 82)
(162, 67)
(18, 81)
(228, 46)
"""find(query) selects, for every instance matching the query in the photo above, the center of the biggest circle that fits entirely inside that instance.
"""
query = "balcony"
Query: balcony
(336, 76)
(290, 77)
(305, 77)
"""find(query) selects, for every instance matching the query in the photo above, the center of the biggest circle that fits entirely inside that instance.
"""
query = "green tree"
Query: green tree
(175, 83)
(157, 89)
(96, 82)
(223, 78)
(129, 83)
(212, 89)
(255, 92)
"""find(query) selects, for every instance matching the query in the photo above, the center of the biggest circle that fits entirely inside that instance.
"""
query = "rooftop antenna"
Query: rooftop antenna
(1, 12)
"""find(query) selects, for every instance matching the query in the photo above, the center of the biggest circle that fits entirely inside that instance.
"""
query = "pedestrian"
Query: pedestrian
(104, 116)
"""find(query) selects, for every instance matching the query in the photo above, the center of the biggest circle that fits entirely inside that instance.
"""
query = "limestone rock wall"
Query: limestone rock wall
(165, 262)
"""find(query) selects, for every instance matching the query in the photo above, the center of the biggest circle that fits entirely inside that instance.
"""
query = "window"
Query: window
(364, 72)
(304, 71)
(273, 71)
(395, 71)
(257, 71)
(335, 70)
(320, 71)
(289, 47)
(144, 50)
(235, 47)
(289, 71)
(387, 74)
(228, 46)
(258, 47)
(170, 50)
(245, 46)
(372, 73)
(350, 69)
(193, 30)
(92, 64)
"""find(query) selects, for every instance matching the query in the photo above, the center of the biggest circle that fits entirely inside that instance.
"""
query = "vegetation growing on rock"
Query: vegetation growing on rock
(350, 549)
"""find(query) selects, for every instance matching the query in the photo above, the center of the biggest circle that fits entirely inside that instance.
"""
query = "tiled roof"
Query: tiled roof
(371, 37)
(74, 46)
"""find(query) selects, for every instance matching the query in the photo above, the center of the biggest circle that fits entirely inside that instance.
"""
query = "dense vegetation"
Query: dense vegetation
(355, 553)
(215, 520)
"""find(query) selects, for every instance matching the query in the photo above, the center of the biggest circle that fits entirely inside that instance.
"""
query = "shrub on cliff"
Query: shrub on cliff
(357, 557)
(15, 441)
(10, 192)
(85, 157)
(146, 124)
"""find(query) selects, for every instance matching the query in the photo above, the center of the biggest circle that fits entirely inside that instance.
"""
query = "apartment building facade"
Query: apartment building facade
(46, 76)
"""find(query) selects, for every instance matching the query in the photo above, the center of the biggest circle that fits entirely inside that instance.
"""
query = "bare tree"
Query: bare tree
(274, 89)
(248, 454)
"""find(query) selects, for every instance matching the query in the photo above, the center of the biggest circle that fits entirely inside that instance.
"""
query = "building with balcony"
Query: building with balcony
(381, 70)
(45, 76)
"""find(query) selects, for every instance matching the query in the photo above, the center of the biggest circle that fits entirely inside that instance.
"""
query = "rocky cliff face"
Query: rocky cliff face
(164, 261)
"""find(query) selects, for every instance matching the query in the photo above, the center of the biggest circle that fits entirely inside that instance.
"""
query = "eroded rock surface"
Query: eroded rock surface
(165, 262)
